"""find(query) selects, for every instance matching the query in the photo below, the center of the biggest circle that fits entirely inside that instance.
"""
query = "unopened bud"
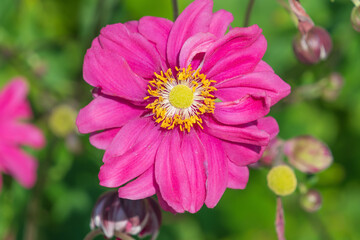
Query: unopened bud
(62, 120)
(311, 201)
(135, 217)
(355, 18)
(282, 180)
(333, 86)
(308, 154)
(312, 46)
(271, 152)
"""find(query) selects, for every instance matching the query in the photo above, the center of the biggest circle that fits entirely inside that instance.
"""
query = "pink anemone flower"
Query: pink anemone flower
(14, 133)
(180, 106)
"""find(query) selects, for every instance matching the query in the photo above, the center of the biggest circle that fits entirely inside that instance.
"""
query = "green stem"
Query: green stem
(175, 9)
(248, 12)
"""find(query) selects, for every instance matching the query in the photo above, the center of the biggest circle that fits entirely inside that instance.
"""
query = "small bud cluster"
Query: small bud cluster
(305, 154)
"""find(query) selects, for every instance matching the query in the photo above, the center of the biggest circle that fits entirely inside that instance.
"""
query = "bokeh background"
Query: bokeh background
(45, 41)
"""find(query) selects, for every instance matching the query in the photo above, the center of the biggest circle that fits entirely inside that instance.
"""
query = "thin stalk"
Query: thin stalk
(248, 12)
(175, 9)
(96, 232)
(123, 236)
(93, 234)
(285, 5)
(280, 221)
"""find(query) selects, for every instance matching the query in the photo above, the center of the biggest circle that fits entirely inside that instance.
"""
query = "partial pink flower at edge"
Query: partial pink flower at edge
(171, 140)
(15, 133)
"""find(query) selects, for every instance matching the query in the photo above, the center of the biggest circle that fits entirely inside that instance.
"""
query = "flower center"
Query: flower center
(180, 100)
(181, 96)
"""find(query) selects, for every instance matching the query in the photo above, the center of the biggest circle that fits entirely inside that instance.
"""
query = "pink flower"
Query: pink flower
(155, 112)
(14, 133)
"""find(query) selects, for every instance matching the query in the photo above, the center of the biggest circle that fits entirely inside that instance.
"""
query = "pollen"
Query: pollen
(180, 100)
(181, 96)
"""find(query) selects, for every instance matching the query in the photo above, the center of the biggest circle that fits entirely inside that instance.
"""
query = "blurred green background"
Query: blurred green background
(45, 41)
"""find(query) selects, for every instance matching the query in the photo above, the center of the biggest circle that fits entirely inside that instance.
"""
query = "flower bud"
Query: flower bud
(62, 120)
(355, 18)
(271, 152)
(312, 46)
(116, 215)
(308, 154)
(333, 86)
(311, 201)
(282, 180)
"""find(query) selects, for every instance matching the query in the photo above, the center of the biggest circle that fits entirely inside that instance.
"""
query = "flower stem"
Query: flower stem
(91, 235)
(285, 5)
(248, 12)
(280, 221)
(96, 232)
(123, 236)
(175, 9)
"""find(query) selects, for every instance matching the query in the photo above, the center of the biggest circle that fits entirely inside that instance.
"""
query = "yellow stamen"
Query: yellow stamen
(180, 100)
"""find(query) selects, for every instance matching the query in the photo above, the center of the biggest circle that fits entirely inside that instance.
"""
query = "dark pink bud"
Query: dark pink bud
(355, 18)
(312, 46)
(311, 201)
(333, 86)
(308, 154)
(135, 217)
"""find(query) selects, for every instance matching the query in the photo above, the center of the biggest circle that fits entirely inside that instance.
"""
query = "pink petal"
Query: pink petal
(217, 169)
(119, 170)
(235, 88)
(194, 19)
(244, 110)
(269, 125)
(13, 99)
(171, 173)
(132, 26)
(105, 112)
(199, 43)
(237, 53)
(242, 154)
(23, 134)
(163, 204)
(194, 156)
(18, 164)
(102, 140)
(139, 53)
(246, 133)
(156, 30)
(220, 22)
(108, 70)
(140, 188)
(23, 110)
(238, 176)
(263, 67)
(139, 131)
